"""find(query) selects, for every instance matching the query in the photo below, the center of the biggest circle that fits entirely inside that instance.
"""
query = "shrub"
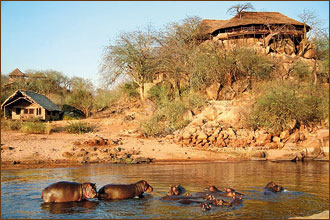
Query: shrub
(78, 127)
(34, 127)
(302, 70)
(154, 126)
(170, 113)
(72, 116)
(11, 124)
(282, 105)
(130, 89)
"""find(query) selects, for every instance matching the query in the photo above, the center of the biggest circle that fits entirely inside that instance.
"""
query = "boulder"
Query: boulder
(284, 134)
(283, 155)
(186, 135)
(212, 91)
(312, 152)
(263, 139)
(201, 136)
(276, 139)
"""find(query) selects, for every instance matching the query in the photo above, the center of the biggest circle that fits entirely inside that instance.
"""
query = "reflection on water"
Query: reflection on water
(306, 184)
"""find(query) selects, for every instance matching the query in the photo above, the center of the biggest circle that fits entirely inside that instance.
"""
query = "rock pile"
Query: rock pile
(99, 149)
(219, 126)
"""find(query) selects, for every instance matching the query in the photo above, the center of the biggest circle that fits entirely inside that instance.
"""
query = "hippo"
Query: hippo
(212, 189)
(230, 192)
(272, 187)
(176, 198)
(175, 190)
(68, 192)
(124, 191)
(221, 202)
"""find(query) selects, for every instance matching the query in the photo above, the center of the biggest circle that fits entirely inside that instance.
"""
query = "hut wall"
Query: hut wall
(49, 116)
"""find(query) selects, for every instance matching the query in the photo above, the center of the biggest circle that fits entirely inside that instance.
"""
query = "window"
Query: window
(31, 111)
(26, 111)
(38, 111)
(18, 111)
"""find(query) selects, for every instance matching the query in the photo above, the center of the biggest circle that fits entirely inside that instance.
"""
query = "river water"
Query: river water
(306, 184)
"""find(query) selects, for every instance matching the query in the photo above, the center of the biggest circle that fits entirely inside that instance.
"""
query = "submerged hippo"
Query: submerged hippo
(212, 189)
(121, 191)
(176, 190)
(230, 192)
(272, 187)
(68, 192)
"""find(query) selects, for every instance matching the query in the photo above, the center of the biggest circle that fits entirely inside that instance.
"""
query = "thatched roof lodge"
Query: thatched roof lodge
(272, 30)
(26, 104)
(253, 23)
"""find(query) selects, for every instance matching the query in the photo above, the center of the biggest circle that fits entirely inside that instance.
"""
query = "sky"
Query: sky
(70, 36)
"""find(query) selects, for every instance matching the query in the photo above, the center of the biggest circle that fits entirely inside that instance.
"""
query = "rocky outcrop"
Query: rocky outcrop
(219, 126)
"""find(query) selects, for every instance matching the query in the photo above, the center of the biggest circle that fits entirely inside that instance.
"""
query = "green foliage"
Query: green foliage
(35, 127)
(78, 127)
(132, 56)
(251, 64)
(81, 96)
(161, 92)
(302, 70)
(171, 112)
(154, 126)
(284, 103)
(11, 124)
(130, 89)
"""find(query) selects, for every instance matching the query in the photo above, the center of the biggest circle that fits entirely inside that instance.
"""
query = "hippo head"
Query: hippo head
(212, 189)
(175, 190)
(146, 187)
(89, 190)
(229, 190)
(277, 188)
(270, 185)
(274, 187)
(219, 202)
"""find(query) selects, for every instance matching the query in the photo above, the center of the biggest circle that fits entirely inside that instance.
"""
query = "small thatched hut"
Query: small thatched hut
(24, 105)
(16, 74)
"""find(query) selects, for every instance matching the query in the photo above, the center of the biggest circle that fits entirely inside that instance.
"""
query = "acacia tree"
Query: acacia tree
(132, 56)
(317, 35)
(239, 9)
(81, 95)
(177, 45)
(211, 64)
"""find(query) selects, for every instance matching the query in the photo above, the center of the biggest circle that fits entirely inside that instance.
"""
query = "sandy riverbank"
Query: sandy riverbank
(112, 141)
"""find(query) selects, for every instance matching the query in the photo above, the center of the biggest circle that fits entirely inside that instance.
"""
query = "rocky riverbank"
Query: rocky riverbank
(220, 128)
(217, 133)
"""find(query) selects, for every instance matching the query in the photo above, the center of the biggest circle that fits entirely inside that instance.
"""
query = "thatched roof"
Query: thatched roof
(16, 72)
(39, 99)
(249, 18)
(208, 26)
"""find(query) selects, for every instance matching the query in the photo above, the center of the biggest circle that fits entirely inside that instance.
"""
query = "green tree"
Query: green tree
(81, 96)
(177, 45)
(132, 56)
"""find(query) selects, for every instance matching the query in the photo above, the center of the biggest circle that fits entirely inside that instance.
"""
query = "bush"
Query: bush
(78, 127)
(35, 128)
(11, 124)
(170, 113)
(130, 89)
(302, 70)
(283, 104)
(72, 116)
(154, 126)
